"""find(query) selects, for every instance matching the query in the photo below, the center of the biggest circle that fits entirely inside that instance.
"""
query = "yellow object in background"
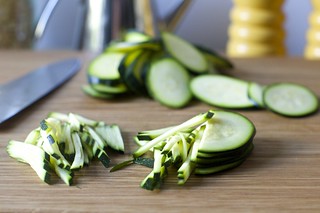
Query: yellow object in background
(256, 29)
(312, 49)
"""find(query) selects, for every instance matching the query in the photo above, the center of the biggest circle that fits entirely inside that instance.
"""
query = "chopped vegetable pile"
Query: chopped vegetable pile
(207, 143)
(64, 143)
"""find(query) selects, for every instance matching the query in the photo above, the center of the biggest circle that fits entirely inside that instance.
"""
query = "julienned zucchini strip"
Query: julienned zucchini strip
(206, 143)
(64, 143)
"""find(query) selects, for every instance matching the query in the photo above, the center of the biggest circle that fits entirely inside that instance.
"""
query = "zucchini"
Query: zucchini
(221, 91)
(50, 145)
(104, 76)
(33, 136)
(137, 55)
(132, 73)
(168, 83)
(229, 158)
(111, 90)
(89, 90)
(112, 135)
(216, 169)
(65, 175)
(194, 121)
(290, 99)
(226, 131)
(185, 52)
(219, 140)
(64, 143)
(255, 93)
(104, 69)
(136, 36)
(33, 155)
(78, 160)
(125, 47)
(218, 62)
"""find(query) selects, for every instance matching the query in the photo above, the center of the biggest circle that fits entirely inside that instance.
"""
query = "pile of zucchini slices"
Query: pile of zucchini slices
(64, 143)
(160, 68)
(172, 71)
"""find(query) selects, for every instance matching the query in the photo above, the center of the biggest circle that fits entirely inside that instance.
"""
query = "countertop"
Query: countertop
(281, 175)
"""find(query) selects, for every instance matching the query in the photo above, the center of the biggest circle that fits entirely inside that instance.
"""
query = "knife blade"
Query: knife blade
(20, 93)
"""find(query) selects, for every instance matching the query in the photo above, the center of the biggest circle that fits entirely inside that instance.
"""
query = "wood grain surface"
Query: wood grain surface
(281, 175)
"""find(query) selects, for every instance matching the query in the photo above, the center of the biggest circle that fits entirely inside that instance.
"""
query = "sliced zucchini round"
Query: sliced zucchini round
(221, 91)
(290, 99)
(219, 62)
(255, 93)
(96, 94)
(120, 88)
(167, 82)
(131, 46)
(185, 52)
(104, 69)
(136, 36)
(220, 168)
(226, 131)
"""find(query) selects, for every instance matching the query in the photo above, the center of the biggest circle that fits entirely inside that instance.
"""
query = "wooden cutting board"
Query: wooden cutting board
(281, 175)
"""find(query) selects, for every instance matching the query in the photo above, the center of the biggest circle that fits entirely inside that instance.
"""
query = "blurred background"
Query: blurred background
(204, 22)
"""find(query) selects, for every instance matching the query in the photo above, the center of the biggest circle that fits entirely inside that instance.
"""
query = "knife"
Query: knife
(20, 93)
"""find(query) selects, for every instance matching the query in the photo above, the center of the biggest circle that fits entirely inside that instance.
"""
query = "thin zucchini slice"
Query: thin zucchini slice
(133, 73)
(219, 155)
(87, 89)
(112, 135)
(219, 62)
(126, 47)
(215, 169)
(255, 93)
(226, 131)
(78, 160)
(168, 83)
(33, 136)
(221, 91)
(186, 53)
(290, 99)
(102, 88)
(104, 69)
(33, 155)
(136, 36)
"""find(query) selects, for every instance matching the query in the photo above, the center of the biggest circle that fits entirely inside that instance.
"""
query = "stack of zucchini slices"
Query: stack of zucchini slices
(160, 68)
